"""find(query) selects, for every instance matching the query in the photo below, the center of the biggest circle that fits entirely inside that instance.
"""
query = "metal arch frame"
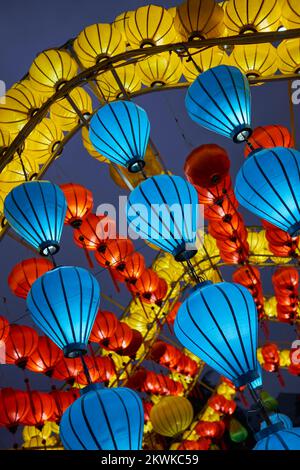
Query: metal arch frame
(133, 56)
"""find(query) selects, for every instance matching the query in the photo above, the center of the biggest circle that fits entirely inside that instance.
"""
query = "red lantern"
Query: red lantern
(115, 254)
(207, 165)
(45, 357)
(284, 251)
(79, 201)
(225, 210)
(269, 137)
(14, 406)
(134, 345)
(41, 408)
(234, 257)
(200, 444)
(229, 246)
(159, 294)
(21, 343)
(104, 327)
(286, 280)
(107, 368)
(247, 276)
(94, 371)
(231, 228)
(25, 273)
(165, 354)
(147, 284)
(270, 355)
(62, 401)
(134, 266)
(147, 405)
(221, 405)
(67, 370)
(172, 315)
(214, 430)
(215, 194)
(4, 329)
(121, 339)
(94, 232)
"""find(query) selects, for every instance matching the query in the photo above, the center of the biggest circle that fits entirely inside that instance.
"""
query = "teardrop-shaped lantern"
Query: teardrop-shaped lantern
(64, 303)
(97, 42)
(150, 25)
(218, 323)
(104, 419)
(164, 210)
(36, 211)
(51, 69)
(120, 131)
(268, 185)
(220, 100)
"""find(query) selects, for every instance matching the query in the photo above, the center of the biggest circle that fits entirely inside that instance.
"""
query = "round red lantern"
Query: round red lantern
(207, 165)
(25, 273)
(21, 343)
(79, 203)
(104, 327)
(45, 357)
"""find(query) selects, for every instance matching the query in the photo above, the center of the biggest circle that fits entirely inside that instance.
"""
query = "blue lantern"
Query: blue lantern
(268, 184)
(164, 210)
(120, 131)
(276, 437)
(220, 100)
(278, 418)
(64, 303)
(36, 211)
(103, 419)
(218, 323)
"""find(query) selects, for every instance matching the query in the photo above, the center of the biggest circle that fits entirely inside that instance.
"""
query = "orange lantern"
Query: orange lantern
(269, 137)
(21, 343)
(79, 203)
(24, 274)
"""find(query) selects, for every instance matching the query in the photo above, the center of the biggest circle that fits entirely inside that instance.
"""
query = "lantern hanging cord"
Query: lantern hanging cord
(250, 145)
(86, 370)
(22, 163)
(81, 116)
(193, 273)
(262, 410)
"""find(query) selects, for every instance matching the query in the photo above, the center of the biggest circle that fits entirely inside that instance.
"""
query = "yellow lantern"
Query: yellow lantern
(160, 69)
(248, 16)
(97, 42)
(171, 416)
(63, 114)
(257, 246)
(43, 141)
(284, 358)
(13, 173)
(120, 23)
(21, 103)
(291, 14)
(150, 25)
(172, 11)
(31, 431)
(109, 87)
(255, 60)
(51, 69)
(270, 307)
(199, 19)
(210, 415)
(89, 147)
(202, 61)
(289, 56)
(260, 357)
(39, 443)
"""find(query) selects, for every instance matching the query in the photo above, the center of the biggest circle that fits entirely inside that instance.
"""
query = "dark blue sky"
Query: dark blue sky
(27, 28)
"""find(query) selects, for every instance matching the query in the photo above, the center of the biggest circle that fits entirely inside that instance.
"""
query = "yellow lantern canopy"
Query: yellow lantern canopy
(120, 23)
(13, 173)
(171, 416)
(248, 16)
(98, 41)
(50, 70)
(172, 11)
(270, 307)
(199, 19)
(21, 103)
(5, 140)
(150, 25)
(43, 141)
(255, 60)
(63, 114)
(202, 61)
(291, 14)
(160, 69)
(89, 147)
(38, 442)
(109, 87)
(289, 56)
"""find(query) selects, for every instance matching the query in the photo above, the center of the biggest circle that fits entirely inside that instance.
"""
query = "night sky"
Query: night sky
(27, 28)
